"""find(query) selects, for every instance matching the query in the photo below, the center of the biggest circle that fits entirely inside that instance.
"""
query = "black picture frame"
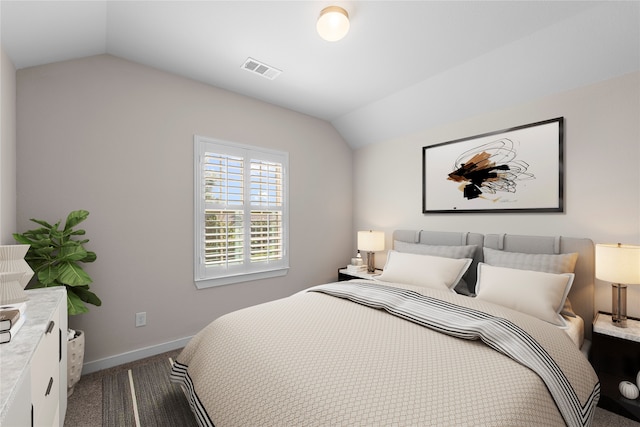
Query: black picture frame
(519, 169)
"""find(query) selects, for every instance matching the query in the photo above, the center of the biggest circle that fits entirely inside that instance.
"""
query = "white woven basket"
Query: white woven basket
(75, 359)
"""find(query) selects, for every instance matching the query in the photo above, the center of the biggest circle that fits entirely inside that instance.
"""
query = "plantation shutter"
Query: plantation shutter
(266, 214)
(223, 194)
(241, 212)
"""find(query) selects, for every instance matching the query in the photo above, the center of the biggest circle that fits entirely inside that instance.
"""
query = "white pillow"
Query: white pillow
(465, 251)
(549, 263)
(539, 294)
(423, 270)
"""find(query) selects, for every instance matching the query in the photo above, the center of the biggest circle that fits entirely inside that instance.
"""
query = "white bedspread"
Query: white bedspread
(313, 359)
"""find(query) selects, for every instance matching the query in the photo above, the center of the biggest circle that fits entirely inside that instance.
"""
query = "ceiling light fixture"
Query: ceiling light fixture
(333, 23)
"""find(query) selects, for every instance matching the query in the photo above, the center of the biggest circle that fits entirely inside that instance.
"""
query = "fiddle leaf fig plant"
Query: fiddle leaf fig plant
(55, 255)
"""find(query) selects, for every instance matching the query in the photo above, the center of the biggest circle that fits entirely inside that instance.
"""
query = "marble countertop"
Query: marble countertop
(604, 325)
(364, 274)
(15, 356)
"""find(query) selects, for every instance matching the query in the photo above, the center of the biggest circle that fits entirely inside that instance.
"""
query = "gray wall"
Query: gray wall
(116, 138)
(7, 149)
(602, 178)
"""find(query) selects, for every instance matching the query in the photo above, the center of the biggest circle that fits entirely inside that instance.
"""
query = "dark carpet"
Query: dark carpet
(143, 396)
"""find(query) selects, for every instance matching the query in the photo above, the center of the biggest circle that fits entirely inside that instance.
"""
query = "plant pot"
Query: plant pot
(75, 359)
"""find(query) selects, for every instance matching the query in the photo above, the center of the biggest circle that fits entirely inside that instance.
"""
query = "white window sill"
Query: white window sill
(244, 277)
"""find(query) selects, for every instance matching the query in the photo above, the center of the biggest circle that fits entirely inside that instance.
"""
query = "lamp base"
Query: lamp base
(11, 291)
(619, 305)
(371, 262)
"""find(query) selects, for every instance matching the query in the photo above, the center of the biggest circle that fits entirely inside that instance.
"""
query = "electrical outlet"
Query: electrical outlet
(141, 319)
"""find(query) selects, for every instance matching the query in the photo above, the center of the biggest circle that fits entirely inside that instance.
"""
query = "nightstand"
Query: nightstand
(615, 356)
(344, 274)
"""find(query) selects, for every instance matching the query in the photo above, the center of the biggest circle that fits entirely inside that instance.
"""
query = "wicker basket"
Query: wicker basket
(75, 359)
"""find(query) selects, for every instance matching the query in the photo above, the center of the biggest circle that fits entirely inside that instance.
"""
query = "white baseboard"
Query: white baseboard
(132, 356)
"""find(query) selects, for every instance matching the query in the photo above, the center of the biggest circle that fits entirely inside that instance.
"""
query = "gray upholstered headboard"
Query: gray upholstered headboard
(583, 288)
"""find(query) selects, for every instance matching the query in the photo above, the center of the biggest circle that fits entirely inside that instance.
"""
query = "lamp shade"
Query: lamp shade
(618, 263)
(370, 241)
(12, 260)
(333, 23)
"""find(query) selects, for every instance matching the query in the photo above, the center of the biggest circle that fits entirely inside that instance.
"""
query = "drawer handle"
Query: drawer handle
(49, 387)
(50, 327)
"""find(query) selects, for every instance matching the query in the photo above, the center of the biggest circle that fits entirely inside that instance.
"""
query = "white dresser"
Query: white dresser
(33, 365)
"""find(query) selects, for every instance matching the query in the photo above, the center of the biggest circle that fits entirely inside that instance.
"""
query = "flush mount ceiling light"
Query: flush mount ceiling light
(333, 23)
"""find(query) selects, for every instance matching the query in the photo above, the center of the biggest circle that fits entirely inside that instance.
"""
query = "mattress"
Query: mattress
(317, 359)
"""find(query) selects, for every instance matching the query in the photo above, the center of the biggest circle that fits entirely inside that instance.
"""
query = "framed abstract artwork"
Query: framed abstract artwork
(519, 169)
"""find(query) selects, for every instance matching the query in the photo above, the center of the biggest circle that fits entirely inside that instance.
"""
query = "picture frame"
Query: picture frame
(519, 169)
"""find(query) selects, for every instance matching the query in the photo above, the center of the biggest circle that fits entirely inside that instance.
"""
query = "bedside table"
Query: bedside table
(615, 356)
(344, 274)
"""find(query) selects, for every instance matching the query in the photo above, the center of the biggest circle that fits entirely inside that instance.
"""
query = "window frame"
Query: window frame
(206, 276)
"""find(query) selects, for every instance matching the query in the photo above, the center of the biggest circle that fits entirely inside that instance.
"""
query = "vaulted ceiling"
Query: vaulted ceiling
(404, 65)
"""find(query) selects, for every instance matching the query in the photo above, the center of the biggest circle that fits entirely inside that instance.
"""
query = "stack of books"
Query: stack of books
(12, 318)
(356, 268)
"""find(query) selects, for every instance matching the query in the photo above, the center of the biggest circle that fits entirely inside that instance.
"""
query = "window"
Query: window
(241, 210)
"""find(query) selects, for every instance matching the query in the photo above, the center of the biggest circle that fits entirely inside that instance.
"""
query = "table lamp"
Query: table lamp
(620, 265)
(370, 242)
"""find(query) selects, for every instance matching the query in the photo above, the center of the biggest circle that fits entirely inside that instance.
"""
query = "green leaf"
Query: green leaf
(41, 247)
(71, 253)
(22, 239)
(74, 218)
(73, 275)
(37, 234)
(75, 304)
(56, 235)
(91, 256)
(85, 294)
(44, 251)
(45, 224)
(48, 274)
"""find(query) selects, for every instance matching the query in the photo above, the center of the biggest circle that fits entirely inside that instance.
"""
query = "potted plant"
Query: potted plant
(55, 255)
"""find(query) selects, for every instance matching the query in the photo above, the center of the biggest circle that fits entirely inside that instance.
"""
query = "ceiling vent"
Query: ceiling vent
(257, 67)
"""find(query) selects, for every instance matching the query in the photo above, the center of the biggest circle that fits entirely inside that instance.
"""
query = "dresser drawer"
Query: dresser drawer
(33, 391)
(45, 375)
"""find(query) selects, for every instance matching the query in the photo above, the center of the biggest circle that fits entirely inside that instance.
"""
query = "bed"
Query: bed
(440, 338)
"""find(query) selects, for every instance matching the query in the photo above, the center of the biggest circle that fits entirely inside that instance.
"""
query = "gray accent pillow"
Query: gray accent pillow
(547, 263)
(456, 252)
(445, 251)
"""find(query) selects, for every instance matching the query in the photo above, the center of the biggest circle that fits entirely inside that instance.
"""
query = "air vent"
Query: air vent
(257, 67)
